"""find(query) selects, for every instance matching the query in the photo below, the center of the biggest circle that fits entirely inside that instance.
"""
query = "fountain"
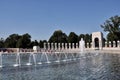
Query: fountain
(46, 56)
(61, 56)
(82, 45)
(65, 59)
(71, 57)
(92, 67)
(32, 55)
(17, 60)
(0, 59)
(57, 54)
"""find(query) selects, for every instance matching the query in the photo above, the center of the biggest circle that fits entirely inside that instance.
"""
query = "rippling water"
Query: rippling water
(90, 66)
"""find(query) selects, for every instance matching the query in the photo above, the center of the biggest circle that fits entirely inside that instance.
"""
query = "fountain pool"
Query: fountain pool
(60, 66)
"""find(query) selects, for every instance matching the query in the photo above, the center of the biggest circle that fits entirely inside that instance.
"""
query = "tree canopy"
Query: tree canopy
(112, 26)
(58, 37)
(18, 41)
(11, 41)
(1, 43)
(24, 41)
(73, 37)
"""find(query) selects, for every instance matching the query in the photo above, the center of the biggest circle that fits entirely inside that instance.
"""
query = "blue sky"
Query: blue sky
(40, 18)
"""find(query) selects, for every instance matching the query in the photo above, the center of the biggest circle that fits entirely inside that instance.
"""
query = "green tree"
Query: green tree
(58, 37)
(36, 43)
(24, 41)
(41, 43)
(11, 41)
(19, 43)
(88, 38)
(112, 26)
(73, 37)
(2, 43)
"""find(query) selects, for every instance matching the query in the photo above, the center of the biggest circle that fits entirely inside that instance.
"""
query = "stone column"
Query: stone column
(55, 46)
(105, 44)
(118, 44)
(59, 46)
(66, 46)
(69, 45)
(44, 45)
(100, 45)
(87, 45)
(91, 45)
(77, 45)
(63, 46)
(48, 46)
(52, 46)
(110, 44)
(114, 45)
(73, 47)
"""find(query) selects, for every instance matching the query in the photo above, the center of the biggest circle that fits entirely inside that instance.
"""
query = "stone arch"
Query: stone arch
(97, 40)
